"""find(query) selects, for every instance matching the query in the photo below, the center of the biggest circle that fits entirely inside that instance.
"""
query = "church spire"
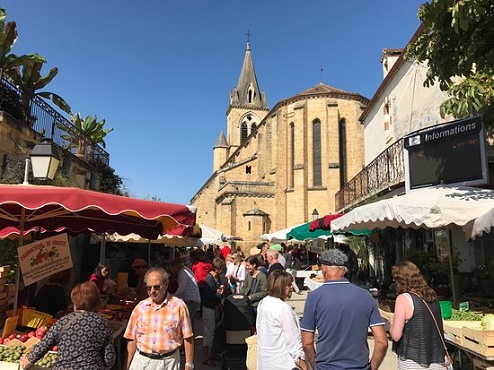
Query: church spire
(247, 93)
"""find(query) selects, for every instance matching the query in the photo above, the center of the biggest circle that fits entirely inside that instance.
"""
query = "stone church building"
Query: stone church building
(273, 167)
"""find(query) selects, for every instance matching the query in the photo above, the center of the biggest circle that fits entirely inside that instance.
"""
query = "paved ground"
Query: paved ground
(297, 302)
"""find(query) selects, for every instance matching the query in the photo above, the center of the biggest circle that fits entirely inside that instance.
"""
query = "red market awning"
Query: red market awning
(324, 223)
(49, 207)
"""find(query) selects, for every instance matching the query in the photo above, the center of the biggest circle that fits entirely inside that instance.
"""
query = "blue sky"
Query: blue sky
(160, 71)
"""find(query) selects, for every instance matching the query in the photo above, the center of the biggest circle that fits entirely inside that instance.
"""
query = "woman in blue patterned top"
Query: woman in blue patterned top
(84, 338)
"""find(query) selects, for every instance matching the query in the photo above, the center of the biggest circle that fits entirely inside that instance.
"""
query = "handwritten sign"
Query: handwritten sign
(10, 325)
(44, 258)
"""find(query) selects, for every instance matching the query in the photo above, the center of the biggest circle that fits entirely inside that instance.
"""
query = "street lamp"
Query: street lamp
(44, 159)
(315, 214)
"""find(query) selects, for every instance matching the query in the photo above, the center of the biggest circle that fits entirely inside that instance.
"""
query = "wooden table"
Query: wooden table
(460, 352)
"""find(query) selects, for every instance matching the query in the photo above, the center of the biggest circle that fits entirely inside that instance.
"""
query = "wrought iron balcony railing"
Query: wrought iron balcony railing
(387, 171)
(46, 121)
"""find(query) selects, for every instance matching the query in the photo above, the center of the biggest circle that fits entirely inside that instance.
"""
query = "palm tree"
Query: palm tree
(8, 37)
(10, 101)
(93, 132)
(28, 80)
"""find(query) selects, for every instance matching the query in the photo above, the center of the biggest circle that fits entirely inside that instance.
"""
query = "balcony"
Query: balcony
(47, 122)
(384, 173)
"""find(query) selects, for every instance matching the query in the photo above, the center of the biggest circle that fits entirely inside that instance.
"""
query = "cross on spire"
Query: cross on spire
(248, 34)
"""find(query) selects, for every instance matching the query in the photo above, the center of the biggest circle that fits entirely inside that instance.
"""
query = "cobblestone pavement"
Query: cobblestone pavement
(297, 303)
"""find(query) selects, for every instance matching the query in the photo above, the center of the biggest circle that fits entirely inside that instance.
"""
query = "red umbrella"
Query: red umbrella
(50, 207)
(324, 223)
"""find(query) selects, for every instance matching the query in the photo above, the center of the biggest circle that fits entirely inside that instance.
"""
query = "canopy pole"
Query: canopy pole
(149, 252)
(102, 251)
(451, 270)
(18, 269)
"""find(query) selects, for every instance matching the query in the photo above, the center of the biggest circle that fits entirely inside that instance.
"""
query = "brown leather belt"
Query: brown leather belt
(157, 356)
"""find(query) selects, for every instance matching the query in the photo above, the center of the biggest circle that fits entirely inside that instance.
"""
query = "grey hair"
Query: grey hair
(273, 253)
(160, 270)
(333, 257)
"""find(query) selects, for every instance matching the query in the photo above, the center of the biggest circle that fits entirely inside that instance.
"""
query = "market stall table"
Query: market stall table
(314, 282)
(469, 353)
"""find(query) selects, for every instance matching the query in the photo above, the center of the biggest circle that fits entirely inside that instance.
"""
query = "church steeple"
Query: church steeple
(247, 93)
(248, 105)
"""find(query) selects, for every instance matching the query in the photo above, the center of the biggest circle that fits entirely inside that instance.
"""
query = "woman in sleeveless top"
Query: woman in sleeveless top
(416, 339)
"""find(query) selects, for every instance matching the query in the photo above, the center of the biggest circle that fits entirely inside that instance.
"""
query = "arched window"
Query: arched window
(243, 132)
(342, 145)
(292, 155)
(316, 153)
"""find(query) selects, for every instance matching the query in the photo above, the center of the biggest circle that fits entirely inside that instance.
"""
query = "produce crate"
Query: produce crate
(454, 329)
(479, 341)
(387, 304)
(4, 365)
(480, 364)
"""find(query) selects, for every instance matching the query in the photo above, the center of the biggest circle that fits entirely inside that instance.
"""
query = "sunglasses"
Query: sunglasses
(140, 267)
(156, 287)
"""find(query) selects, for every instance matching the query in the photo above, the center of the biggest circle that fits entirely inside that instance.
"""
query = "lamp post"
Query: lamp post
(44, 159)
(315, 214)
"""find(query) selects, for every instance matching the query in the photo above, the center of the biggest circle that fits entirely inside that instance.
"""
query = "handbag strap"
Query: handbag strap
(435, 322)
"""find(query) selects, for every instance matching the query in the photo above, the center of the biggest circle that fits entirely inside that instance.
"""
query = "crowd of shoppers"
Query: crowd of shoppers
(161, 324)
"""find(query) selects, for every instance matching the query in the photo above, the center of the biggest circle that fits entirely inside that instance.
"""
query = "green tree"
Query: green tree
(93, 130)
(8, 37)
(456, 43)
(111, 182)
(28, 80)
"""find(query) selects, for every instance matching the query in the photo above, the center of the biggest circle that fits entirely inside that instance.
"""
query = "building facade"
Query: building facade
(273, 167)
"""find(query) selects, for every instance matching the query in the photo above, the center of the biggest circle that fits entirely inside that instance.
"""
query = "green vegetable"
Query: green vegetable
(457, 315)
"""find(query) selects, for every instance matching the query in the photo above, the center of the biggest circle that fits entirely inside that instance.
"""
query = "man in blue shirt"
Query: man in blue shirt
(342, 313)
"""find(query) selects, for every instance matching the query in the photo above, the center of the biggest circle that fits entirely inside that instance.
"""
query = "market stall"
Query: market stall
(452, 210)
(53, 208)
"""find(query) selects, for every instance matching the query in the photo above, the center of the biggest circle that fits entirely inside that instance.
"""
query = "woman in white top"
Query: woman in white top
(279, 343)
(237, 276)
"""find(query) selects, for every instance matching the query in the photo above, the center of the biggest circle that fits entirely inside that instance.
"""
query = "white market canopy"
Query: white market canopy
(278, 236)
(470, 208)
(209, 236)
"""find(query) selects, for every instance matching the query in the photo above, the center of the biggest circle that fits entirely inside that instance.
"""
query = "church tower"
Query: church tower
(248, 105)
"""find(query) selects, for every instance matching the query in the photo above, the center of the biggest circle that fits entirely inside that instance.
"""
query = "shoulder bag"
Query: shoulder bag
(448, 360)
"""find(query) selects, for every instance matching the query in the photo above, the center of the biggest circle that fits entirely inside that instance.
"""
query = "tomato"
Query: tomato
(55, 348)
(41, 331)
